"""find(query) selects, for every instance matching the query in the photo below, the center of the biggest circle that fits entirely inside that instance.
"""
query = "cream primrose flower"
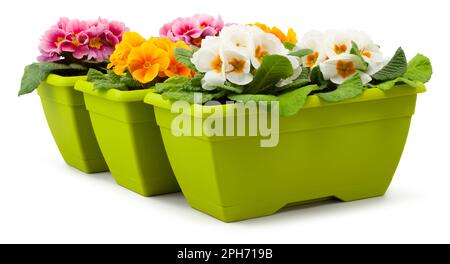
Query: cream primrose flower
(337, 43)
(313, 40)
(222, 62)
(343, 66)
(209, 60)
(231, 55)
(370, 51)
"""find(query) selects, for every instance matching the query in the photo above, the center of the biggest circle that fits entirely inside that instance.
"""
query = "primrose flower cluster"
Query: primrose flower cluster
(147, 59)
(82, 40)
(332, 53)
(237, 53)
(192, 30)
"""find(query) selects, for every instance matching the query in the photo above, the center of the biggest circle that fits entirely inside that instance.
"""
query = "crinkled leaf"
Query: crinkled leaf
(102, 81)
(253, 98)
(394, 69)
(305, 73)
(95, 75)
(351, 88)
(184, 56)
(292, 102)
(301, 53)
(390, 84)
(273, 69)
(419, 69)
(230, 87)
(190, 96)
(128, 80)
(355, 51)
(35, 73)
(177, 83)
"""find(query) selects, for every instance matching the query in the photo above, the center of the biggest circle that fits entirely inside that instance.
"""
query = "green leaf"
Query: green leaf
(273, 69)
(190, 96)
(126, 79)
(355, 51)
(351, 88)
(289, 45)
(294, 85)
(35, 73)
(78, 67)
(184, 56)
(177, 83)
(305, 73)
(301, 53)
(105, 81)
(197, 79)
(292, 102)
(390, 84)
(253, 97)
(230, 87)
(394, 69)
(419, 69)
(316, 77)
(94, 75)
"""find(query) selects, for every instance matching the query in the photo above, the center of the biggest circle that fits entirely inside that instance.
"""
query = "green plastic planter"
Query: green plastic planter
(347, 150)
(130, 140)
(70, 124)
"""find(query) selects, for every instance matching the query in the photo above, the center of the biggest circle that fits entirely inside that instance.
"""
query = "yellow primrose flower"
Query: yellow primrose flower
(119, 58)
(290, 37)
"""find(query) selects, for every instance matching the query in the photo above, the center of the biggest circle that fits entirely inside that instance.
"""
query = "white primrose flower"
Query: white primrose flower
(237, 66)
(208, 59)
(337, 43)
(343, 66)
(370, 51)
(239, 37)
(265, 44)
(315, 41)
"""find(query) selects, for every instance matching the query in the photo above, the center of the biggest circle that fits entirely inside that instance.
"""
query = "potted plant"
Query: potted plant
(68, 49)
(340, 115)
(124, 125)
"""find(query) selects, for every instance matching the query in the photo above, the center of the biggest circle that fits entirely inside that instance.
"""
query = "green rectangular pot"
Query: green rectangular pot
(130, 140)
(347, 151)
(70, 124)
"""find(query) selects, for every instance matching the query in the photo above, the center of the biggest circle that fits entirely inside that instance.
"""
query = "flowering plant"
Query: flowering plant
(71, 47)
(138, 63)
(258, 63)
(192, 30)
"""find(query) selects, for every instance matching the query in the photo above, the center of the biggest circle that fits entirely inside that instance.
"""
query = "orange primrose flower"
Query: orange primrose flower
(290, 37)
(147, 61)
(119, 58)
(175, 67)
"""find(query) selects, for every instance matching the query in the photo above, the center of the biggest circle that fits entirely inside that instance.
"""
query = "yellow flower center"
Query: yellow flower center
(58, 40)
(147, 65)
(345, 68)
(339, 49)
(366, 53)
(238, 65)
(95, 43)
(260, 53)
(311, 59)
(216, 64)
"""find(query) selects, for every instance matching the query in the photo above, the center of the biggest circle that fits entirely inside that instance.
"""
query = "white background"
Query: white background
(44, 200)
